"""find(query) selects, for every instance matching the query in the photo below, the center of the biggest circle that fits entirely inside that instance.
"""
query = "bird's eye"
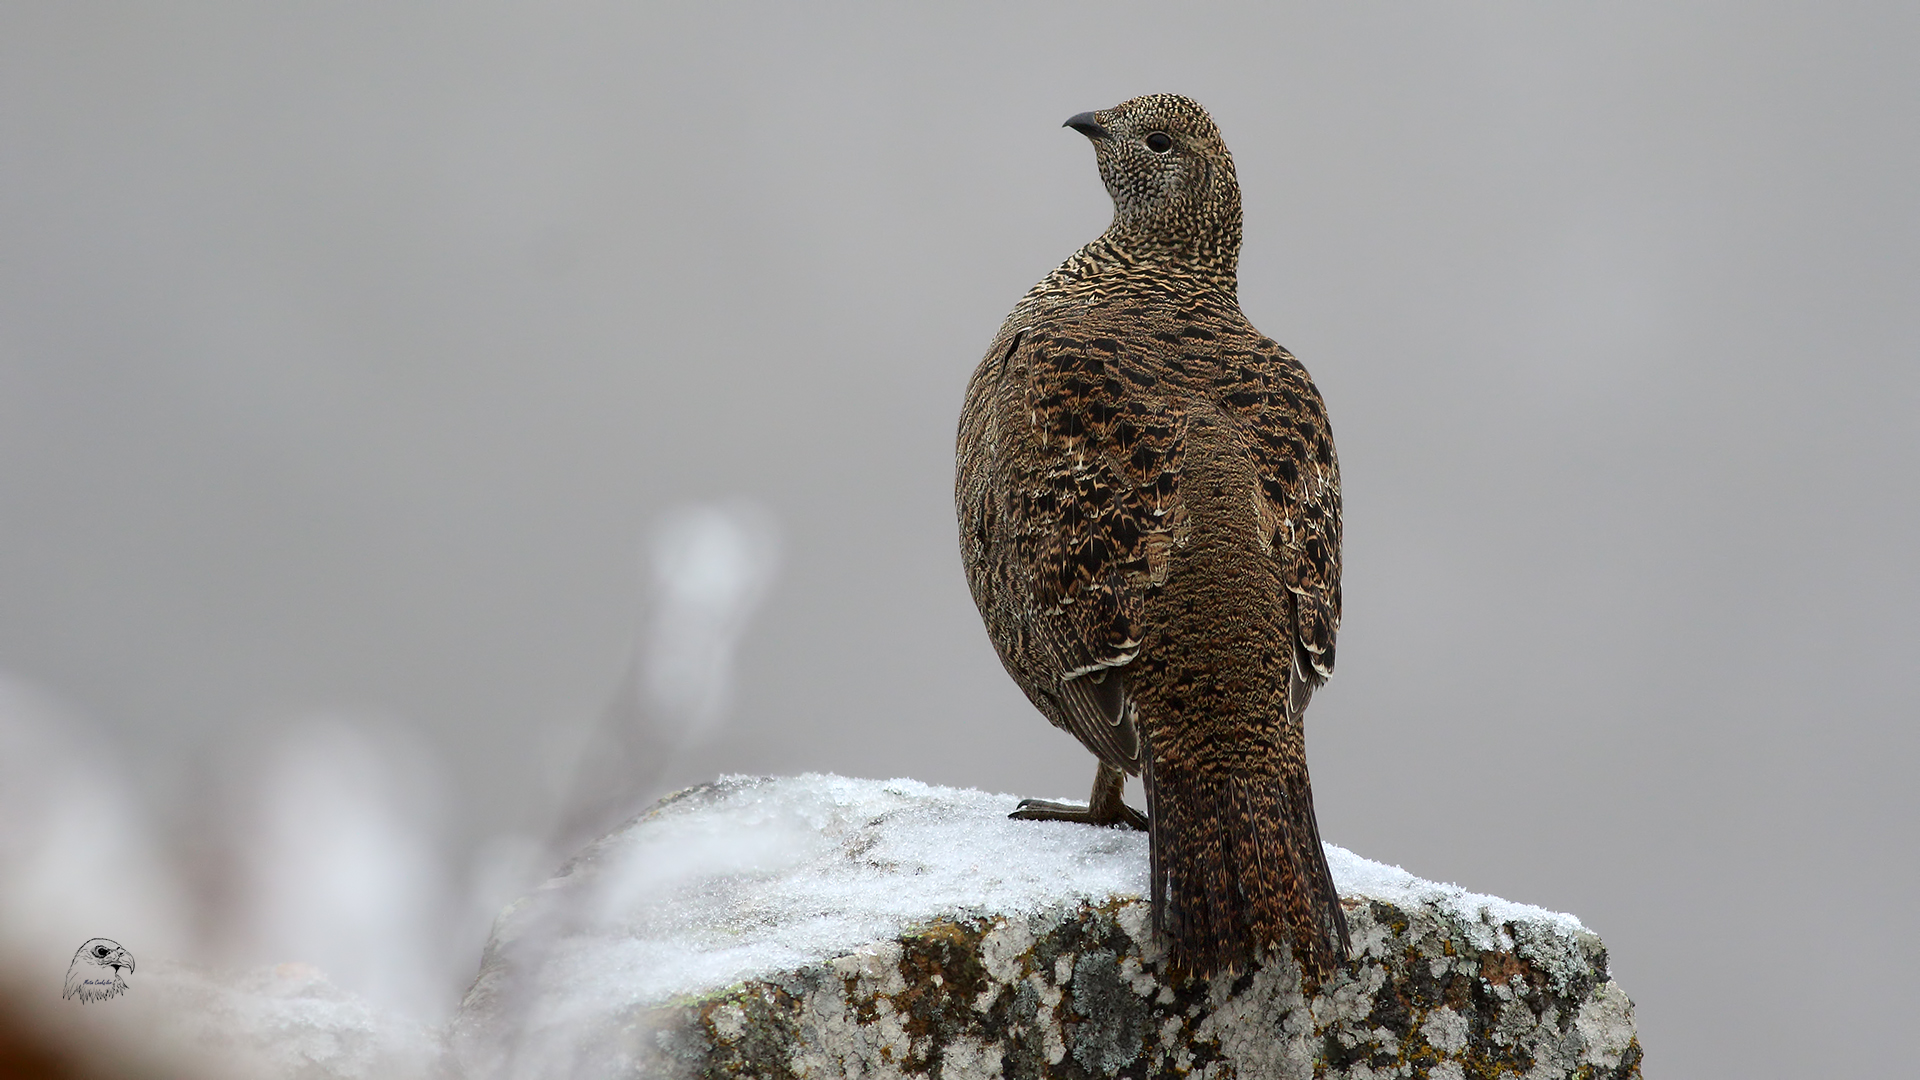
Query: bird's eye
(99, 950)
(1159, 143)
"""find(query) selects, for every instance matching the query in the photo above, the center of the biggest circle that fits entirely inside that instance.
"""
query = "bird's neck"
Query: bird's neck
(1195, 253)
(1207, 250)
(1196, 240)
(1128, 254)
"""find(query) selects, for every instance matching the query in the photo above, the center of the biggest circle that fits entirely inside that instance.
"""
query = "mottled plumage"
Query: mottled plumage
(1150, 519)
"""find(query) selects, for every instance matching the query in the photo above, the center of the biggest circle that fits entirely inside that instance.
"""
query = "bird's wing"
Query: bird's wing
(1088, 520)
(1292, 447)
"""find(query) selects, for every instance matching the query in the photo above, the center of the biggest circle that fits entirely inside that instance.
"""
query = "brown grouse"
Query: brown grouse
(1150, 519)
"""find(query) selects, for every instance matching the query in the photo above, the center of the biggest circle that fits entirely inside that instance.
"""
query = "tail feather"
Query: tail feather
(1236, 863)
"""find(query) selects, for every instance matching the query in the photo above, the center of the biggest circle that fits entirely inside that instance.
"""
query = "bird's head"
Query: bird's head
(105, 953)
(98, 970)
(1170, 175)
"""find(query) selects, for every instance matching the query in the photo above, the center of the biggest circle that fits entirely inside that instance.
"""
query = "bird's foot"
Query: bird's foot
(1043, 810)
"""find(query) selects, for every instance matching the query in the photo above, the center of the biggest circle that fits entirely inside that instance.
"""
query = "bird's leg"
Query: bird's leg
(1105, 807)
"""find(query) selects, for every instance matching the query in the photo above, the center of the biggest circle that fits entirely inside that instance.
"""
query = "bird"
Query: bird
(1149, 517)
(94, 974)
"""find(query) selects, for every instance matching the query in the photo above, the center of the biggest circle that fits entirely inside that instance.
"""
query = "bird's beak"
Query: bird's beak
(1085, 124)
(123, 959)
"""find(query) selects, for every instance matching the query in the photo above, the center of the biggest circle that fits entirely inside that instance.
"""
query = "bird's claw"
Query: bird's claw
(1046, 810)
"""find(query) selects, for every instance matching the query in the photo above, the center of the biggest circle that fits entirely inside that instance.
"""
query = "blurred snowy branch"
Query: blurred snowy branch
(315, 885)
(707, 566)
(710, 566)
(339, 859)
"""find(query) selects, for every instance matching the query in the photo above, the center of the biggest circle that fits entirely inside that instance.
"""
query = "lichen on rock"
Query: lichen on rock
(997, 948)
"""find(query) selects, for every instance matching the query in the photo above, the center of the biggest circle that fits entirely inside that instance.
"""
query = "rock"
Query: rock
(817, 926)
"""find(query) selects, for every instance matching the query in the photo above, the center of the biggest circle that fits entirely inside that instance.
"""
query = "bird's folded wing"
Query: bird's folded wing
(1095, 512)
(1300, 485)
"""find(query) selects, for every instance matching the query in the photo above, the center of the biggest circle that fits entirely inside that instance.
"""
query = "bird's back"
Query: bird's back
(1142, 476)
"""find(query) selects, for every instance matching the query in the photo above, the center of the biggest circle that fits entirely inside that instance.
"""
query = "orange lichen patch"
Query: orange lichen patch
(1500, 968)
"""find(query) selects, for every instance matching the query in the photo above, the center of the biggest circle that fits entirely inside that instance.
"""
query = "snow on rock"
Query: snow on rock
(818, 926)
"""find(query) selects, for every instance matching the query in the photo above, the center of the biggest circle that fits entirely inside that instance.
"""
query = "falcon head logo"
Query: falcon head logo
(96, 971)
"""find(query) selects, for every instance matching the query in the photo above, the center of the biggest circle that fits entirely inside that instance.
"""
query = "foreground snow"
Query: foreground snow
(744, 879)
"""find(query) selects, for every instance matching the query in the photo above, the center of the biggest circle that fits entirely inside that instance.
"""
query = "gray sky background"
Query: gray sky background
(348, 354)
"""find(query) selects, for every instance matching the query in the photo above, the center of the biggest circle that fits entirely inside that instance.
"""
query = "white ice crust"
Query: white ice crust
(756, 876)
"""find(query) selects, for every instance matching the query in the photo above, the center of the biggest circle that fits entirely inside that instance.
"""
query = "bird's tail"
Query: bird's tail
(1237, 865)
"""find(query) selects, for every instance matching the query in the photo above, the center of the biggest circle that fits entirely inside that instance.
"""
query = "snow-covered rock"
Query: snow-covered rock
(818, 926)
